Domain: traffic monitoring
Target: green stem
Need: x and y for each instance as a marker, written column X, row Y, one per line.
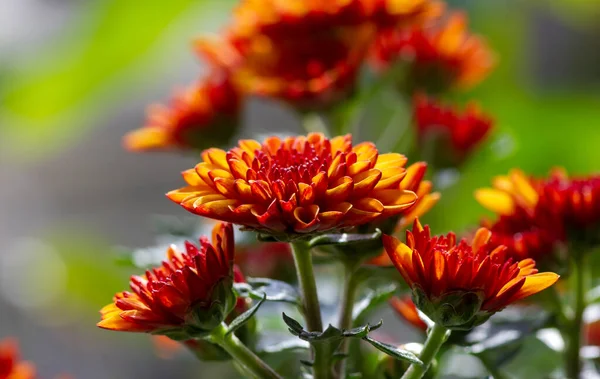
column 436, row 338
column 491, row 368
column 315, row 123
column 579, row 273
column 241, row 354
column 351, row 282
column 310, row 302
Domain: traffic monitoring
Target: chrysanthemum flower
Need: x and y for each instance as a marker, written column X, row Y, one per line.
column 460, row 285
column 203, row 115
column 297, row 186
column 528, row 231
column 186, row 297
column 450, row 134
column 537, row 214
column 440, row 57
column 407, row 310
column 308, row 71
column 11, row 367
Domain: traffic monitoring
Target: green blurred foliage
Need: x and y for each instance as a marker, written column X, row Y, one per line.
column 111, row 50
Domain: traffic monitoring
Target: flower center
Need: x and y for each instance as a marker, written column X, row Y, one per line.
column 293, row 164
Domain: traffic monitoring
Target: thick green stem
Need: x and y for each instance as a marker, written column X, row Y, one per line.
column 241, row 354
column 310, row 303
column 436, row 338
column 491, row 368
column 579, row 273
column 308, row 286
column 351, row 282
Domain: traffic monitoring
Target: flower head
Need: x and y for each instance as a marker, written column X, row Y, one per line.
column 297, row 186
column 440, row 57
column 309, row 68
column 407, row 310
column 187, row 296
column 11, row 367
column 203, row 115
column 452, row 135
column 535, row 215
column 460, row 285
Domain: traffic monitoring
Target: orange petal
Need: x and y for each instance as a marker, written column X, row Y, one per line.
column 496, row 201
column 534, row 284
column 482, row 237
column 147, row 138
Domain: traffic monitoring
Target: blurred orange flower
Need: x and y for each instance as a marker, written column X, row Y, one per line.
column 187, row 296
column 441, row 56
column 460, row 285
column 407, row 310
column 203, row 115
column 296, row 186
column 11, row 367
column 537, row 214
column 450, row 134
column 307, row 53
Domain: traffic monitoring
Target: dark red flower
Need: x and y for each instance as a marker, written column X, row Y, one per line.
column 451, row 134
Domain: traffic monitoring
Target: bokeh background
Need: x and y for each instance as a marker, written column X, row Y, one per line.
column 76, row 75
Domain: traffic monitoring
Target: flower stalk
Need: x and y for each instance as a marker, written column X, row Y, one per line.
column 579, row 276
column 435, row 339
column 310, row 303
column 351, row 282
column 254, row 366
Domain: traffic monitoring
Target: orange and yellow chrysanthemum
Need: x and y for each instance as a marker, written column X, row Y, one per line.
column 537, row 214
column 297, row 186
column 306, row 53
column 460, row 285
column 11, row 367
column 203, row 115
column 441, row 56
column 188, row 295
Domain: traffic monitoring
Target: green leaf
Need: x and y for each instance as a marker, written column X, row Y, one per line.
column 362, row 331
column 276, row 290
column 284, row 346
column 244, row 317
column 294, row 326
column 372, row 300
column 345, row 239
column 394, row 352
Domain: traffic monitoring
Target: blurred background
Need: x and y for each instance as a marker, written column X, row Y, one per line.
column 76, row 75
